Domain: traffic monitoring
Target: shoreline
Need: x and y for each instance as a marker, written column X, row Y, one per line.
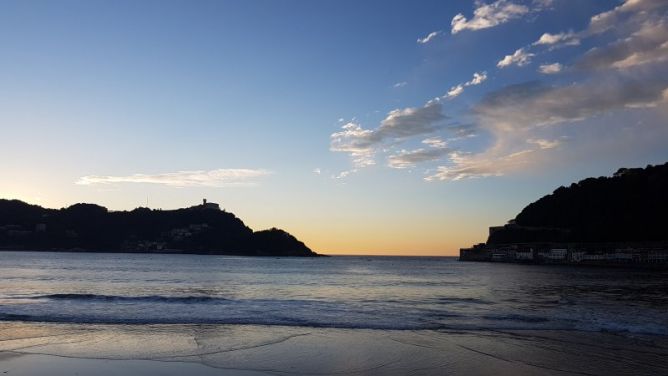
column 251, row 350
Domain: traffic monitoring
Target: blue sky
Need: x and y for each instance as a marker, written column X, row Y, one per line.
column 341, row 121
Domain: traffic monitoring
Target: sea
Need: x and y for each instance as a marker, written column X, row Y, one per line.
column 341, row 302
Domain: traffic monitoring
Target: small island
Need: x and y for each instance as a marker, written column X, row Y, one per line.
column 199, row 229
column 607, row 221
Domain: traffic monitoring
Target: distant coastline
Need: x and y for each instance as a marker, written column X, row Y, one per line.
column 202, row 229
column 607, row 221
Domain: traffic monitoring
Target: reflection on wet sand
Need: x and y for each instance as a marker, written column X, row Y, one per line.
column 238, row 350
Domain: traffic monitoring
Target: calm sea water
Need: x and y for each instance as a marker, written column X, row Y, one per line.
column 334, row 292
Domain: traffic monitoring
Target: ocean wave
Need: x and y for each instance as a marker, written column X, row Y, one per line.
column 453, row 300
column 516, row 317
column 118, row 298
column 529, row 324
column 267, row 321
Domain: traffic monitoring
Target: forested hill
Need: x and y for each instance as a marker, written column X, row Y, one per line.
column 632, row 205
column 89, row 227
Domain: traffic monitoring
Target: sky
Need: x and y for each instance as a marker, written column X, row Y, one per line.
column 375, row 127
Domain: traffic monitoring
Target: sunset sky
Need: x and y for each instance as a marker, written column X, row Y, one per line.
column 364, row 127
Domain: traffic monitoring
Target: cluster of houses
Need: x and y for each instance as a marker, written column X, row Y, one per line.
column 17, row 231
column 649, row 254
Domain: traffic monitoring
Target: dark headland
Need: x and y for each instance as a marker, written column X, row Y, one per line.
column 200, row 229
column 620, row 220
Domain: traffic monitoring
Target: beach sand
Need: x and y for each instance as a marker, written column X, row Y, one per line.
column 65, row 349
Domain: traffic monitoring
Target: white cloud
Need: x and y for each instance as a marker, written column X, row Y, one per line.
column 429, row 37
column 199, row 178
column 455, row 91
column 521, row 57
column 317, row 171
column 568, row 38
column 478, row 78
column 357, row 142
column 550, row 68
column 488, row 15
column 435, row 142
column 466, row 166
column 400, row 84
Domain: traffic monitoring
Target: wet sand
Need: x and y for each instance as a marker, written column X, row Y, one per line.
column 64, row 349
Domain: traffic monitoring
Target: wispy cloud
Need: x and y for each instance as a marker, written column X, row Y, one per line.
column 488, row 15
column 400, row 84
column 460, row 131
column 457, row 90
column 435, row 142
column 564, row 38
column 465, row 166
column 359, row 143
column 515, row 117
column 429, row 37
column 399, row 124
column 437, row 148
column 647, row 44
column 550, row 68
column 612, row 18
column 198, row 178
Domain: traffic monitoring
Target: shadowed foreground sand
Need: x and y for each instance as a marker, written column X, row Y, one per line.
column 64, row 349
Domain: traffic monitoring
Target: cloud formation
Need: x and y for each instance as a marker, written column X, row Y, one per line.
column 437, row 148
column 535, row 104
column 520, row 57
column 647, row 44
column 628, row 73
column 488, row 15
column 612, row 18
column 478, row 78
column 455, row 91
column 528, row 124
column 565, row 38
column 357, row 142
column 198, row 178
column 515, row 116
column 465, row 167
column 434, row 142
column 550, row 68
column 429, row 37
column 399, row 124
